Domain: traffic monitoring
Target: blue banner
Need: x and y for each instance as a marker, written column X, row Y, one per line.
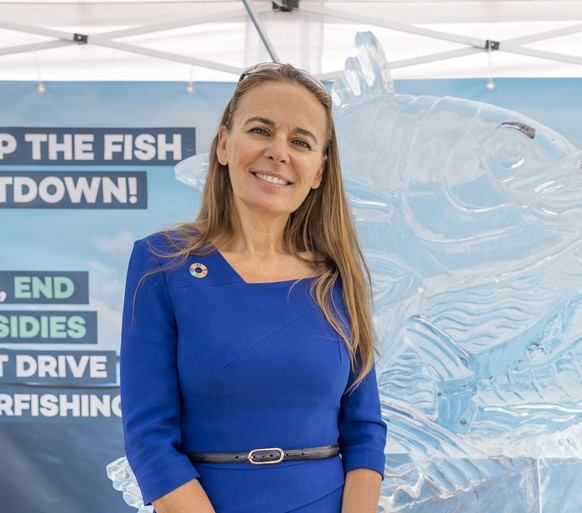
column 52, row 327
column 58, row 367
column 72, row 201
column 77, row 189
column 96, row 146
column 39, row 287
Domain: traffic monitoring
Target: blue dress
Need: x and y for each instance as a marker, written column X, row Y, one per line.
column 210, row 363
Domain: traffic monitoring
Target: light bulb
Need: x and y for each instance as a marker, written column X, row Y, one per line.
column 41, row 87
column 490, row 85
column 191, row 87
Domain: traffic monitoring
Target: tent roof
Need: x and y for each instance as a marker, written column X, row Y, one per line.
column 213, row 40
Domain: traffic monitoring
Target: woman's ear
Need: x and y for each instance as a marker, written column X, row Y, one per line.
column 319, row 175
column 221, row 153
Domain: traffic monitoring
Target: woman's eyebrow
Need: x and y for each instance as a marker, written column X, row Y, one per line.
column 264, row 121
column 306, row 133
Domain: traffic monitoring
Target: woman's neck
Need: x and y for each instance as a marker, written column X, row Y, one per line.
column 258, row 235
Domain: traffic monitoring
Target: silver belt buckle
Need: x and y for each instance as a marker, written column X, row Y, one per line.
column 279, row 460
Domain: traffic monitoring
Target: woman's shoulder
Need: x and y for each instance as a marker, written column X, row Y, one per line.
column 158, row 243
column 173, row 241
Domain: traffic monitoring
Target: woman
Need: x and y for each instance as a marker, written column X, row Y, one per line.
column 247, row 351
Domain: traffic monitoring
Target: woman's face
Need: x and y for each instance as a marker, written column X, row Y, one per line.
column 274, row 149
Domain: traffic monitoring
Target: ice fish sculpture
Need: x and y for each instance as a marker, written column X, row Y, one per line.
column 123, row 480
column 471, row 219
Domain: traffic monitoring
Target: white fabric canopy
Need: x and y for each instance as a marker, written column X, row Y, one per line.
column 199, row 40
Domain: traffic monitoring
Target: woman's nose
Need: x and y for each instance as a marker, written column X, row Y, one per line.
column 277, row 150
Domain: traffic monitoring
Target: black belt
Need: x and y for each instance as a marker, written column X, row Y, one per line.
column 265, row 456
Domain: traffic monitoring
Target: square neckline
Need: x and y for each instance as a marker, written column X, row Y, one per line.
column 246, row 282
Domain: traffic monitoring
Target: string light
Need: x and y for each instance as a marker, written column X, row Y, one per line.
column 191, row 87
column 41, row 86
column 490, row 83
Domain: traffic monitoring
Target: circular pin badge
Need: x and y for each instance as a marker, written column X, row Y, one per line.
column 198, row 270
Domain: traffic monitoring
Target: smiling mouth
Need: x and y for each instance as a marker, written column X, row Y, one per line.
column 271, row 179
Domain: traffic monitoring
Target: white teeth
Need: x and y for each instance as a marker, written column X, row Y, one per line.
column 271, row 179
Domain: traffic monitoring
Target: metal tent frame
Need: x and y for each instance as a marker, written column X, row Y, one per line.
column 255, row 16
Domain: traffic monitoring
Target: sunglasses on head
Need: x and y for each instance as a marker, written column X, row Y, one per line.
column 275, row 65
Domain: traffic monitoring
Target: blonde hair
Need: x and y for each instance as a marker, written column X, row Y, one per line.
column 321, row 226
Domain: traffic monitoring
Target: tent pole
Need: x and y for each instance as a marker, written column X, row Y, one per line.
column 158, row 27
column 392, row 25
column 261, row 32
column 40, row 31
column 172, row 57
column 541, row 36
column 541, row 54
column 11, row 50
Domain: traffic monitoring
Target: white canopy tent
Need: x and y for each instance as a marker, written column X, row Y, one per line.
column 201, row 40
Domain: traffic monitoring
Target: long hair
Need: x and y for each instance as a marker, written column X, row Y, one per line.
column 322, row 226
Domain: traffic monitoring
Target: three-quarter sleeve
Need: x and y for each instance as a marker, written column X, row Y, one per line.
column 150, row 396
column 362, row 430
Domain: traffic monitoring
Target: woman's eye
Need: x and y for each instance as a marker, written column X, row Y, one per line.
column 259, row 131
column 302, row 143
